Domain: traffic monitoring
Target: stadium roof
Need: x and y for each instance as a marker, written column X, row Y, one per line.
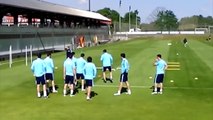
column 54, row 8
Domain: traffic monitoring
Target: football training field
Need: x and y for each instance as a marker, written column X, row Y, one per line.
column 188, row 85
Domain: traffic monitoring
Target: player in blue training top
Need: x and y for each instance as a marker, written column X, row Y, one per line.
column 38, row 69
column 50, row 72
column 69, row 72
column 107, row 61
column 124, row 75
column 89, row 75
column 161, row 66
column 80, row 63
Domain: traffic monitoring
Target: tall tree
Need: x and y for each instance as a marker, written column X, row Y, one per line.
column 166, row 20
column 112, row 14
column 133, row 17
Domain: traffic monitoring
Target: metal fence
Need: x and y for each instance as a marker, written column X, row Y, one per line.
column 46, row 38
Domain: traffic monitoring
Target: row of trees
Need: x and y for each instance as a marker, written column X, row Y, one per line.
column 165, row 20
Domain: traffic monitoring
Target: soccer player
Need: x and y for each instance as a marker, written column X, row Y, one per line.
column 124, row 75
column 69, row 72
column 68, row 51
column 49, row 72
column 107, row 61
column 185, row 42
column 89, row 73
column 80, row 63
column 38, row 69
column 161, row 66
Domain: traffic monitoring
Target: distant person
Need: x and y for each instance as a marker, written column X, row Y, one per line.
column 68, row 51
column 80, row 63
column 161, row 66
column 209, row 38
column 38, row 69
column 185, row 42
column 124, row 75
column 107, row 62
column 69, row 72
column 50, row 72
column 89, row 73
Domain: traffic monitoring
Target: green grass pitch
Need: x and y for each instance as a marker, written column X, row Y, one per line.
column 185, row 98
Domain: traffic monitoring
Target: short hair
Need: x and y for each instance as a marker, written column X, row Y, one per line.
column 123, row 55
column 159, row 55
column 89, row 59
column 48, row 53
column 82, row 55
column 70, row 55
column 39, row 55
column 104, row 50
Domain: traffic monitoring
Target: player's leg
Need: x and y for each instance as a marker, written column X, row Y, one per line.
column 82, row 85
column 38, row 90
column 53, row 87
column 88, row 92
column 89, row 84
column 53, row 83
column 120, row 85
column 104, row 74
column 66, row 82
column 43, row 82
column 128, row 88
column 65, row 90
column 72, row 85
column 110, row 74
column 155, row 85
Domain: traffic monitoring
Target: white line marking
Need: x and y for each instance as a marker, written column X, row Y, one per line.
column 187, row 88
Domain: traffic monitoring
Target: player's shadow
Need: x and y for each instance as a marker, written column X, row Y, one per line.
column 108, row 79
column 123, row 90
column 92, row 94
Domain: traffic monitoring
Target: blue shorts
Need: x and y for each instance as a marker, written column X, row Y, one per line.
column 89, row 82
column 107, row 68
column 49, row 76
column 40, row 80
column 124, row 77
column 69, row 79
column 159, row 78
column 79, row 76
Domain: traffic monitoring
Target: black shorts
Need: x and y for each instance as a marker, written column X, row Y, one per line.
column 124, row 77
column 79, row 76
column 159, row 78
column 40, row 80
column 89, row 83
column 107, row 68
column 49, row 76
column 69, row 79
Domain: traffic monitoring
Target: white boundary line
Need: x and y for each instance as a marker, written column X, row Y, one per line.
column 3, row 63
column 186, row 88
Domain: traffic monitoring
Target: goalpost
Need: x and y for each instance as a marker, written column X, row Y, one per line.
column 210, row 29
column 202, row 29
column 10, row 56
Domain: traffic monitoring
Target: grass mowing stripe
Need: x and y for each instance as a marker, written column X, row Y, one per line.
column 204, row 51
column 191, row 67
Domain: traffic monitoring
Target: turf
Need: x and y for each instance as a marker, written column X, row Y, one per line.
column 184, row 99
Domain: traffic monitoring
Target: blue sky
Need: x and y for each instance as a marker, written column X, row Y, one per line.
column 181, row 8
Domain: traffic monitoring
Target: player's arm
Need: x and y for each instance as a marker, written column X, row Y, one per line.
column 165, row 66
column 155, row 62
column 64, row 73
column 94, row 71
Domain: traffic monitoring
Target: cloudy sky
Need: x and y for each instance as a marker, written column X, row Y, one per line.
column 146, row 8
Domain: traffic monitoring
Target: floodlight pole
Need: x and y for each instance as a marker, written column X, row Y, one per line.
column 89, row 6
column 129, row 18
